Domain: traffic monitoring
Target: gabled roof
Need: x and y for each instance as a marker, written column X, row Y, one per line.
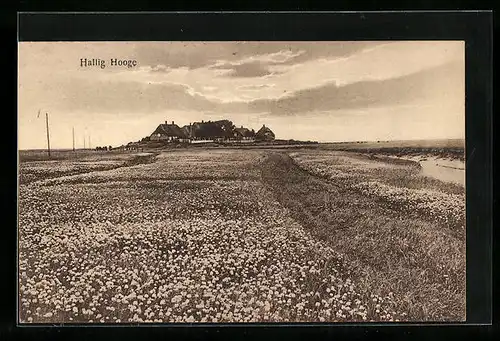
column 241, row 131
column 170, row 130
column 264, row 131
column 245, row 132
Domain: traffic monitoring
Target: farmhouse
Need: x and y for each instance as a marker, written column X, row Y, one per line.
column 244, row 134
column 169, row 132
column 209, row 131
column 264, row 134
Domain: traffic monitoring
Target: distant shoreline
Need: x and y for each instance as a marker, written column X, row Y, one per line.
column 436, row 143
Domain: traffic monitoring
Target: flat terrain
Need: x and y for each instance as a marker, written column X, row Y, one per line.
column 232, row 235
column 36, row 166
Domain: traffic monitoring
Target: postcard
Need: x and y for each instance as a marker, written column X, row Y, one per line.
column 241, row 181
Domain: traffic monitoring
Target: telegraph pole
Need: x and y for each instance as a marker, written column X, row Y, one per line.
column 48, row 135
column 73, row 138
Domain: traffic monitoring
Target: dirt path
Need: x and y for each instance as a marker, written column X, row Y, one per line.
column 311, row 198
column 419, row 261
column 227, row 236
column 202, row 240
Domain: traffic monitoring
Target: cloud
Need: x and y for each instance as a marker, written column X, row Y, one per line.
column 125, row 97
column 159, row 68
column 251, row 66
column 378, row 62
column 374, row 76
column 279, row 57
column 441, row 83
column 255, row 87
column 255, row 66
column 243, row 79
column 195, row 55
column 261, row 81
column 251, row 69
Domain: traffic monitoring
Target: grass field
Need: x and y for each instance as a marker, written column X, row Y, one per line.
column 232, row 235
column 36, row 165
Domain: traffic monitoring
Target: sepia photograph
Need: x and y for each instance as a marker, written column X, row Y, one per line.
column 241, row 182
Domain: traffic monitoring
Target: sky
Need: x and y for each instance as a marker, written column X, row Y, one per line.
column 319, row 91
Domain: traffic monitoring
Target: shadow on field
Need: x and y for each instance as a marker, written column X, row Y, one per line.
column 420, row 261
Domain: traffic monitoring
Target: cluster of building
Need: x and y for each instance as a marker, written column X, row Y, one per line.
column 209, row 131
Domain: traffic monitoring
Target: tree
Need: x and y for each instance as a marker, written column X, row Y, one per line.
column 227, row 127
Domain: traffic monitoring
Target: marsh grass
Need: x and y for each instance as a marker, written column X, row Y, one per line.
column 213, row 247
column 37, row 167
column 230, row 236
column 420, row 261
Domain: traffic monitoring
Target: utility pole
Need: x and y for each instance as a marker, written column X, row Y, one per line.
column 84, row 142
column 90, row 147
column 48, row 135
column 73, row 138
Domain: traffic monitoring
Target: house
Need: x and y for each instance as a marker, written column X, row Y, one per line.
column 168, row 132
column 244, row 134
column 208, row 131
column 132, row 146
column 265, row 134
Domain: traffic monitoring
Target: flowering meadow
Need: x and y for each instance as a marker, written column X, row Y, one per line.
column 399, row 185
column 399, row 231
column 71, row 164
column 196, row 236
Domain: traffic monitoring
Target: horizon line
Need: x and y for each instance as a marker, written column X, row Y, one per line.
column 318, row 142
